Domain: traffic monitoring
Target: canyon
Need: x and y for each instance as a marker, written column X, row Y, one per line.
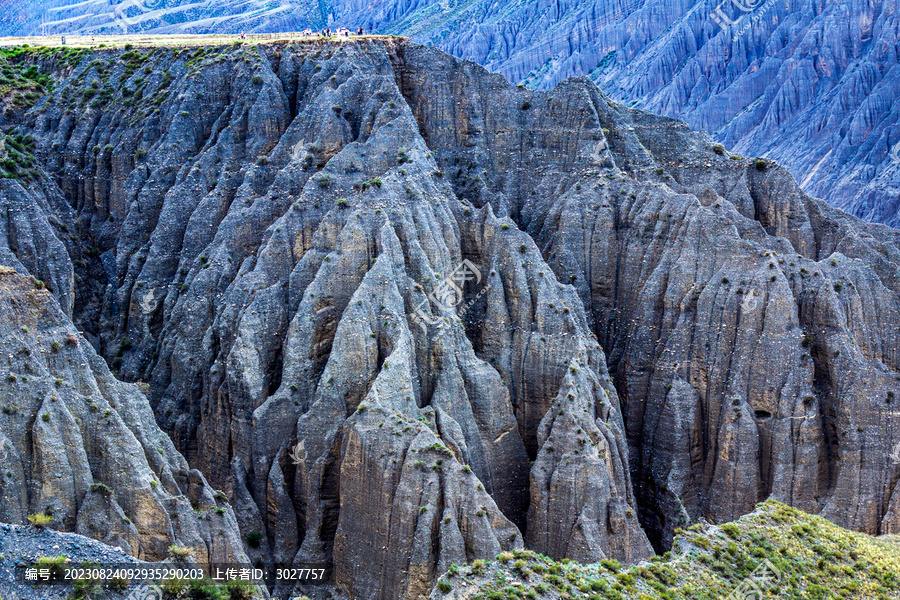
column 395, row 313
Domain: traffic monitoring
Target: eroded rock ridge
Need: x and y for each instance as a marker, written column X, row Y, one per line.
column 639, row 330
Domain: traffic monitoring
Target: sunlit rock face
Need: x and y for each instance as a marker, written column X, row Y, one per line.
column 406, row 314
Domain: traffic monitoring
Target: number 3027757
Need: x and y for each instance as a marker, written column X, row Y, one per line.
column 300, row 574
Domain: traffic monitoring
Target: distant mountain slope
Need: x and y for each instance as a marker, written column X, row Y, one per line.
column 812, row 85
column 815, row 86
column 52, row 17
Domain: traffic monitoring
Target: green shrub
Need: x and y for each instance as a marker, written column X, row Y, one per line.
column 324, row 180
column 206, row 589
column 179, row 552
column 174, row 588
column 101, row 488
column 731, row 530
column 55, row 564
column 40, row 519
column 611, row 564
column 119, row 584
column 240, row 590
column 85, row 589
column 254, row 539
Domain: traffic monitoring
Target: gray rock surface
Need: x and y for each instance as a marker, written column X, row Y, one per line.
column 813, row 87
column 710, row 269
column 83, row 447
column 667, row 332
column 265, row 268
column 23, row 545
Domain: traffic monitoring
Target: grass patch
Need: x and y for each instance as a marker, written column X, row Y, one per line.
column 816, row 559
column 16, row 157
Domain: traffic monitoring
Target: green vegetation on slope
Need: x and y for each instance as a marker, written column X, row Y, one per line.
column 817, row 560
column 16, row 158
column 126, row 82
column 22, row 83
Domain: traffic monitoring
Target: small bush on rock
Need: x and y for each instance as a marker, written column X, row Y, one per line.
column 40, row 519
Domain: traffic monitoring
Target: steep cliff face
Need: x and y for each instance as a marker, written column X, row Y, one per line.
column 375, row 289
column 76, row 443
column 729, row 303
column 814, row 87
column 277, row 251
column 83, row 447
